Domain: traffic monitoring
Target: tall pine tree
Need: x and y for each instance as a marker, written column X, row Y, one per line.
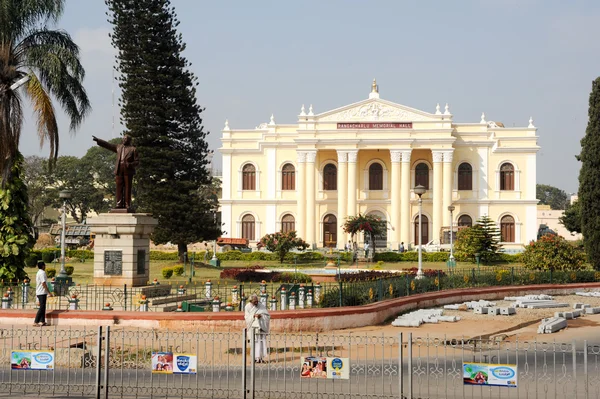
column 589, row 179
column 159, row 111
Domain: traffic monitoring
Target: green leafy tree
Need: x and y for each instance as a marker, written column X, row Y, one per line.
column 38, row 63
column 370, row 224
column 483, row 238
column 15, row 225
column 75, row 175
column 555, row 197
column 160, row 112
column 589, row 179
column 552, row 252
column 38, row 182
column 282, row 243
column 571, row 219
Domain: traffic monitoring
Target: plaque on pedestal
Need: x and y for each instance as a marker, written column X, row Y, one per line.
column 122, row 248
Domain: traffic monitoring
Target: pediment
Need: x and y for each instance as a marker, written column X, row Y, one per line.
column 376, row 110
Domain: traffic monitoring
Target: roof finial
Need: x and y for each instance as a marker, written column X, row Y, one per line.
column 482, row 118
column 226, row 125
column 310, row 110
column 531, row 123
column 272, row 121
column 374, row 87
column 302, row 112
column 437, row 109
column 447, row 110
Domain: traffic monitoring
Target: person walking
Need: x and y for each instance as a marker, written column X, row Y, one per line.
column 257, row 317
column 42, row 292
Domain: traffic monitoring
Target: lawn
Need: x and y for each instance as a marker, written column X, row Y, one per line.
column 84, row 273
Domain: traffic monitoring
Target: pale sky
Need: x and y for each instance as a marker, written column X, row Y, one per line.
column 511, row 59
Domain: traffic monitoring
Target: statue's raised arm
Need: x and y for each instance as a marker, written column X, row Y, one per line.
column 127, row 162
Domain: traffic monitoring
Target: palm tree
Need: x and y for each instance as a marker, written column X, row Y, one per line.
column 36, row 62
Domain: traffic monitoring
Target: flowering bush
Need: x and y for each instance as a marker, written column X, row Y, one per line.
column 232, row 273
column 426, row 272
column 554, row 253
column 282, row 243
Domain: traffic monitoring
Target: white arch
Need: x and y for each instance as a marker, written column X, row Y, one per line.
column 412, row 226
column 379, row 209
column 241, row 176
column 257, row 225
column 517, row 175
column 518, row 224
column 385, row 176
column 413, row 170
column 473, row 173
column 461, row 214
column 322, row 166
column 282, row 164
column 321, row 238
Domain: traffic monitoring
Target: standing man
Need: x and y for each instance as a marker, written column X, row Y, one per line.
column 127, row 161
column 42, row 292
column 257, row 317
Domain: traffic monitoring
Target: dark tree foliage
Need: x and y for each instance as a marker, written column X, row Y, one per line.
column 159, row 110
column 549, row 195
column 15, row 225
column 589, row 179
column 571, row 219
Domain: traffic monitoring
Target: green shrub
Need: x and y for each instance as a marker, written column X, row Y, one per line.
column 48, row 256
column 167, row 272
column 388, row 257
column 161, row 255
column 32, row 259
column 80, row 254
column 552, row 252
column 511, row 258
column 178, row 270
column 287, row 277
column 69, row 269
column 50, row 272
column 230, row 255
column 435, row 256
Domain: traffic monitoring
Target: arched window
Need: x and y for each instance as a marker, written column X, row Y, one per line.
column 422, row 175
column 288, row 223
column 330, row 231
column 507, row 229
column 248, row 227
column 465, row 177
column 330, row 177
column 465, row 221
column 376, row 177
column 288, row 177
column 249, row 177
column 507, row 177
column 425, row 231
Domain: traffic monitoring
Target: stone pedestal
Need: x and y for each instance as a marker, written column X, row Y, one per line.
column 122, row 248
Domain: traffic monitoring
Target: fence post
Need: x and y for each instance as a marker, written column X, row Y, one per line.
column 106, row 361
column 340, row 292
column 252, row 362
column 439, row 279
column 400, row 369
column 550, row 276
column 98, row 362
column 473, row 274
column 125, row 297
column 244, row 361
column 512, row 276
column 409, row 345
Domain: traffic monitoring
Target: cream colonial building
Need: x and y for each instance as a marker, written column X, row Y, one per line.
column 366, row 158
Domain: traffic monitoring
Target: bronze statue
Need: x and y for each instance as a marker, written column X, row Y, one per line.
column 127, row 161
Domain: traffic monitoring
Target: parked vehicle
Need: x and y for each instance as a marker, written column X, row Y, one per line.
column 434, row 246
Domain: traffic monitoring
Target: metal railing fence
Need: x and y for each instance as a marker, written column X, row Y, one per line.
column 118, row 363
column 326, row 294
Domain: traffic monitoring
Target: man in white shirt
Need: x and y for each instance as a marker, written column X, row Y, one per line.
column 42, row 292
column 257, row 316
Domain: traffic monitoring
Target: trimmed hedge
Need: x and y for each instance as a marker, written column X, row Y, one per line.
column 69, row 269
column 178, row 270
column 167, row 272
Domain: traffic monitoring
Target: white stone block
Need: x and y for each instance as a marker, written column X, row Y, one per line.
column 507, row 311
column 481, row 310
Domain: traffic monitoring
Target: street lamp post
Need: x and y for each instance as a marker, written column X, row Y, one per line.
column 451, row 208
column 420, row 190
column 63, row 280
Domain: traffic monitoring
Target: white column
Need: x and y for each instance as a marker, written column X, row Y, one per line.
column 301, row 189
column 396, row 157
column 437, row 196
column 405, row 216
column 310, row 197
column 271, row 173
column 352, row 157
column 342, row 196
column 447, row 186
